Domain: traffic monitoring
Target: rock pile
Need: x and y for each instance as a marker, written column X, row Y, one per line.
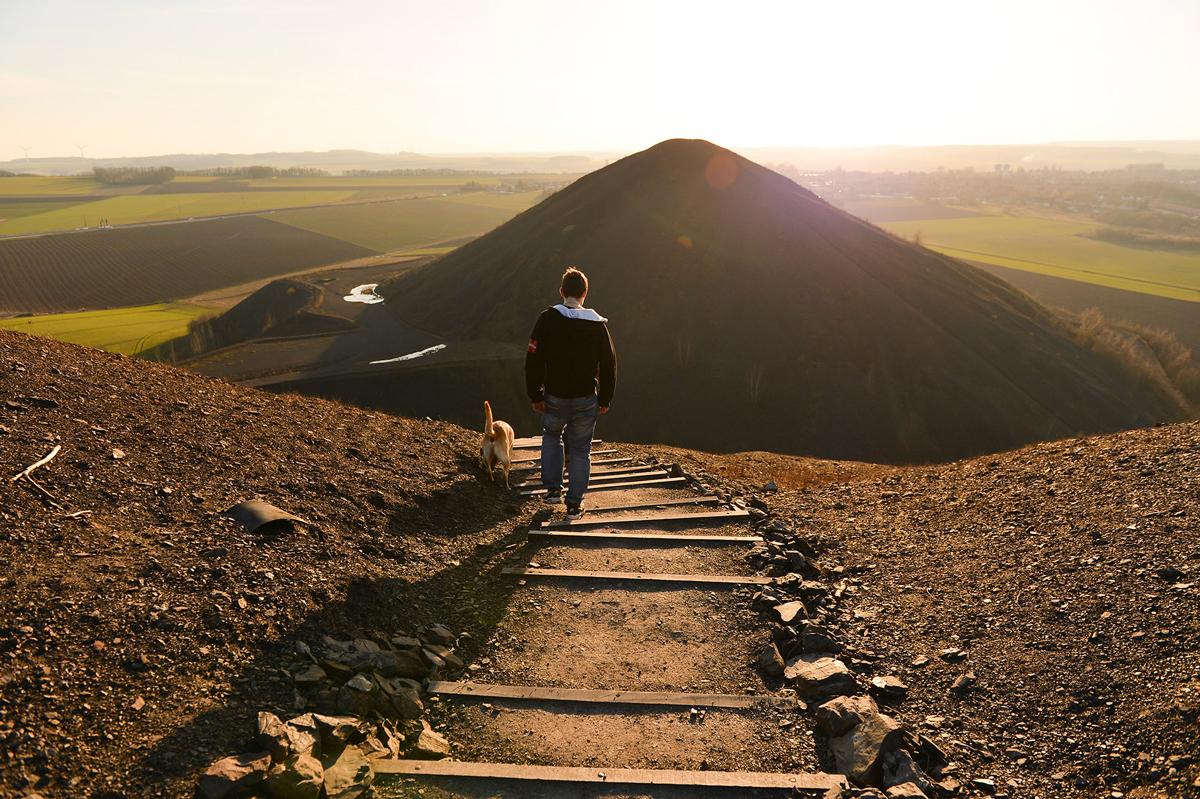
column 367, row 701
column 806, row 653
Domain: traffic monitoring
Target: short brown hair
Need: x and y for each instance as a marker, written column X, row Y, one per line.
column 574, row 283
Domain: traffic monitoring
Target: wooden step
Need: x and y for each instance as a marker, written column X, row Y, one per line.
column 646, row 518
column 654, row 698
column 605, row 477
column 537, row 464
column 666, row 481
column 598, row 471
column 661, row 503
column 641, row 577
column 813, row 784
column 538, row 458
column 536, row 441
column 649, row 538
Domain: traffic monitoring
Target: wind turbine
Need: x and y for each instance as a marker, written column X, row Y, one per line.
column 81, row 147
column 24, row 150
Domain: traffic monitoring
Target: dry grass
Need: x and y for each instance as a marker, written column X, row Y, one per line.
column 1151, row 356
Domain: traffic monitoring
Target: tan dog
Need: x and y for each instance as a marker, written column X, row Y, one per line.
column 497, row 447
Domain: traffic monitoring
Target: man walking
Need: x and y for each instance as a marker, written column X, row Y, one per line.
column 570, row 375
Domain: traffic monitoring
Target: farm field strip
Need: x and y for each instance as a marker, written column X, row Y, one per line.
column 157, row 263
column 136, row 208
column 403, row 225
column 124, row 330
column 1059, row 248
column 23, row 185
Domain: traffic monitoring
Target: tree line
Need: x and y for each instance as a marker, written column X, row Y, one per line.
column 259, row 172
column 132, row 175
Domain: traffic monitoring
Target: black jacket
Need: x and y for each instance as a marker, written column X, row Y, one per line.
column 570, row 358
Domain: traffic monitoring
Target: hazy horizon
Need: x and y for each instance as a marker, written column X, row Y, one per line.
column 138, row 78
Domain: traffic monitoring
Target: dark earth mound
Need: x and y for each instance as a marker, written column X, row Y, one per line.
column 748, row 313
column 283, row 308
column 155, row 263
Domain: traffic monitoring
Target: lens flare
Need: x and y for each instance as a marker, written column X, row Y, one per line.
column 721, row 171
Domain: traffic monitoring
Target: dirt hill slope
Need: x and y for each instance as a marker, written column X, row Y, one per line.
column 138, row 642
column 1068, row 573
column 750, row 314
column 153, row 597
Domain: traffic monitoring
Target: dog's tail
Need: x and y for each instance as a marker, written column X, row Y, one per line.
column 488, row 421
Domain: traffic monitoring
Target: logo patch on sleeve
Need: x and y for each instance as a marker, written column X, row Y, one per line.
column 532, row 345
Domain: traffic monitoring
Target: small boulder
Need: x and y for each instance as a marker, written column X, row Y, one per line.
column 297, row 777
column 789, row 611
column 888, row 689
column 337, row 731
column 906, row 790
column 430, row 745
column 348, row 775
column 816, row 676
column 838, row 716
column 438, row 634
column 234, row 776
column 770, row 662
column 859, row 753
column 963, row 683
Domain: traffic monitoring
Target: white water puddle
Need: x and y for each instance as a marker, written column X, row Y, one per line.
column 364, row 294
column 412, row 356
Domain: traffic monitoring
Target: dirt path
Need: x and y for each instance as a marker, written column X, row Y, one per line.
column 595, row 634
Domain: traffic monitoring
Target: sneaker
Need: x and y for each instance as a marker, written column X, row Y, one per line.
column 574, row 512
column 553, row 498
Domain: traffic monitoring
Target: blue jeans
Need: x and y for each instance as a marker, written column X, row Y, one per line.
column 575, row 421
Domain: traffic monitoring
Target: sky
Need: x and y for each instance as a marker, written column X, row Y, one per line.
column 454, row 76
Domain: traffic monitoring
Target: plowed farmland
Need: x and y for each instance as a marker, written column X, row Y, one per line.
column 138, row 266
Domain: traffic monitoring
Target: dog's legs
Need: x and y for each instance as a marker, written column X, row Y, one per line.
column 506, row 485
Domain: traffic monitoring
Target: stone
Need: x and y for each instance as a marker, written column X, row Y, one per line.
column 985, row 785
column 817, row 638
column 337, row 731
column 920, row 662
column 859, row 754
column 963, row 683
column 234, row 776
column 304, row 737
column 439, row 634
column 770, row 662
column 273, row 737
column 899, row 768
column 906, row 790
column 838, row 716
column 407, row 702
column 889, row 688
column 405, row 642
column 815, row 676
column 430, row 745
column 402, row 663
column 348, row 775
column 312, row 674
column 952, row 655
column 789, row 611
column 297, row 777
column 361, row 682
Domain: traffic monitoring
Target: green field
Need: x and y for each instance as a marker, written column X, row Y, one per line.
column 133, row 208
column 1060, row 248
column 124, row 330
column 118, row 330
column 411, row 224
column 14, row 210
column 34, row 185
